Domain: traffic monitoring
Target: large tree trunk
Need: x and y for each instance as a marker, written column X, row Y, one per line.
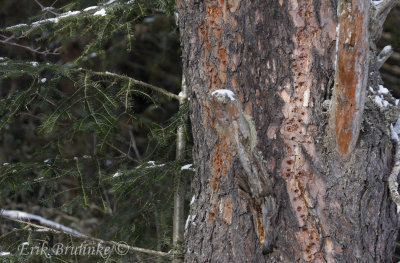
column 280, row 176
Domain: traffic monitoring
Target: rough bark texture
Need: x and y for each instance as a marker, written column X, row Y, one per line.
column 277, row 57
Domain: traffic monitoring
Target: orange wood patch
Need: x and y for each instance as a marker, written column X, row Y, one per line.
column 351, row 71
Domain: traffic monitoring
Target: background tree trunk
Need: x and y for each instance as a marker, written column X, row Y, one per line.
column 278, row 58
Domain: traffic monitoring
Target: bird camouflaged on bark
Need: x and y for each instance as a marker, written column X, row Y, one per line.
column 256, row 185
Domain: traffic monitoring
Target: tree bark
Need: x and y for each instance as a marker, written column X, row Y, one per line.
column 273, row 182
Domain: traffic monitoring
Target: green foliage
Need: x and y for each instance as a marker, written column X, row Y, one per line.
column 79, row 131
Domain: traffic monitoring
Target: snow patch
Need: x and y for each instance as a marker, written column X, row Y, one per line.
column 109, row 2
column 43, row 80
column 380, row 102
column 3, row 254
column 101, row 12
column 69, row 13
column 149, row 19
column 15, row 26
column 224, row 92
column 116, row 174
column 387, row 48
column 190, row 218
column 56, row 19
column 192, row 201
column 90, row 8
column 383, row 90
column 34, row 63
column 152, row 164
column 188, row 167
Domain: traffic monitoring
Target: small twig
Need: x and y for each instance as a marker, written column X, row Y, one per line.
column 46, row 52
column 41, row 6
column 120, row 151
column 46, row 9
column 134, row 146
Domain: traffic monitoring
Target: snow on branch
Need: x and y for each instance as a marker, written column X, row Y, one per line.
column 19, row 215
column 188, row 167
column 383, row 56
column 55, row 19
column 393, row 177
column 98, row 10
column 224, row 92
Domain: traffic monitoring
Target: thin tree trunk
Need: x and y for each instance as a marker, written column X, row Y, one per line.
column 275, row 182
column 179, row 197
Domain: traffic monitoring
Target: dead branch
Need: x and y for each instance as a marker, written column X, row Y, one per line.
column 7, row 41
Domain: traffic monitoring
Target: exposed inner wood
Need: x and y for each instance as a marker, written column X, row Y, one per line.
column 351, row 73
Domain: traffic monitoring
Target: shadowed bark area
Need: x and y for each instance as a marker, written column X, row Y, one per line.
column 277, row 57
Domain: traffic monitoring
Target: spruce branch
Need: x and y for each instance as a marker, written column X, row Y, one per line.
column 133, row 81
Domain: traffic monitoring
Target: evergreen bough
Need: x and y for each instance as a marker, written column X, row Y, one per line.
column 70, row 102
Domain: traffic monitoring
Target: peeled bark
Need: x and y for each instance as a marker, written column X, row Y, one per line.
column 272, row 185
